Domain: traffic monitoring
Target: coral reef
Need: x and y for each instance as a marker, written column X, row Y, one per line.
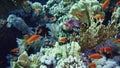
column 100, row 33
column 36, row 5
column 87, row 8
column 76, row 30
column 53, row 57
column 106, row 63
column 19, row 24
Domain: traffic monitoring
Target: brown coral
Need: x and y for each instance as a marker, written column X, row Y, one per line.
column 90, row 40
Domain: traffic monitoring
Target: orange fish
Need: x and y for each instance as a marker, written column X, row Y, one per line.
column 15, row 50
column 95, row 56
column 63, row 39
column 25, row 2
column 32, row 39
column 107, row 49
column 92, row 65
column 118, row 40
column 99, row 16
column 101, row 50
column 80, row 15
column 105, row 4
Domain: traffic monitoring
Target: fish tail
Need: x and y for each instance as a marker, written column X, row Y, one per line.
column 105, row 4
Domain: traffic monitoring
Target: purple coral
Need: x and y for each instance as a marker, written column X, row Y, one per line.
column 73, row 23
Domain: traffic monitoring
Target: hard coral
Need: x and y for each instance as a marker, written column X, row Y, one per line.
column 96, row 35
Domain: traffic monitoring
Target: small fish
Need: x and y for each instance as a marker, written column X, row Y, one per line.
column 92, row 65
column 118, row 3
column 15, row 50
column 62, row 39
column 95, row 56
column 26, row 3
column 101, row 50
column 105, row 5
column 80, row 15
column 99, row 16
column 107, row 49
column 32, row 39
column 118, row 40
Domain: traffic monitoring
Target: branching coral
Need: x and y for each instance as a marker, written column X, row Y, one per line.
column 106, row 63
column 68, row 2
column 24, row 61
column 60, row 8
column 96, row 34
column 116, row 16
column 83, row 27
column 85, row 11
column 92, row 33
column 56, row 56
column 55, row 32
column 35, row 62
column 71, row 62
